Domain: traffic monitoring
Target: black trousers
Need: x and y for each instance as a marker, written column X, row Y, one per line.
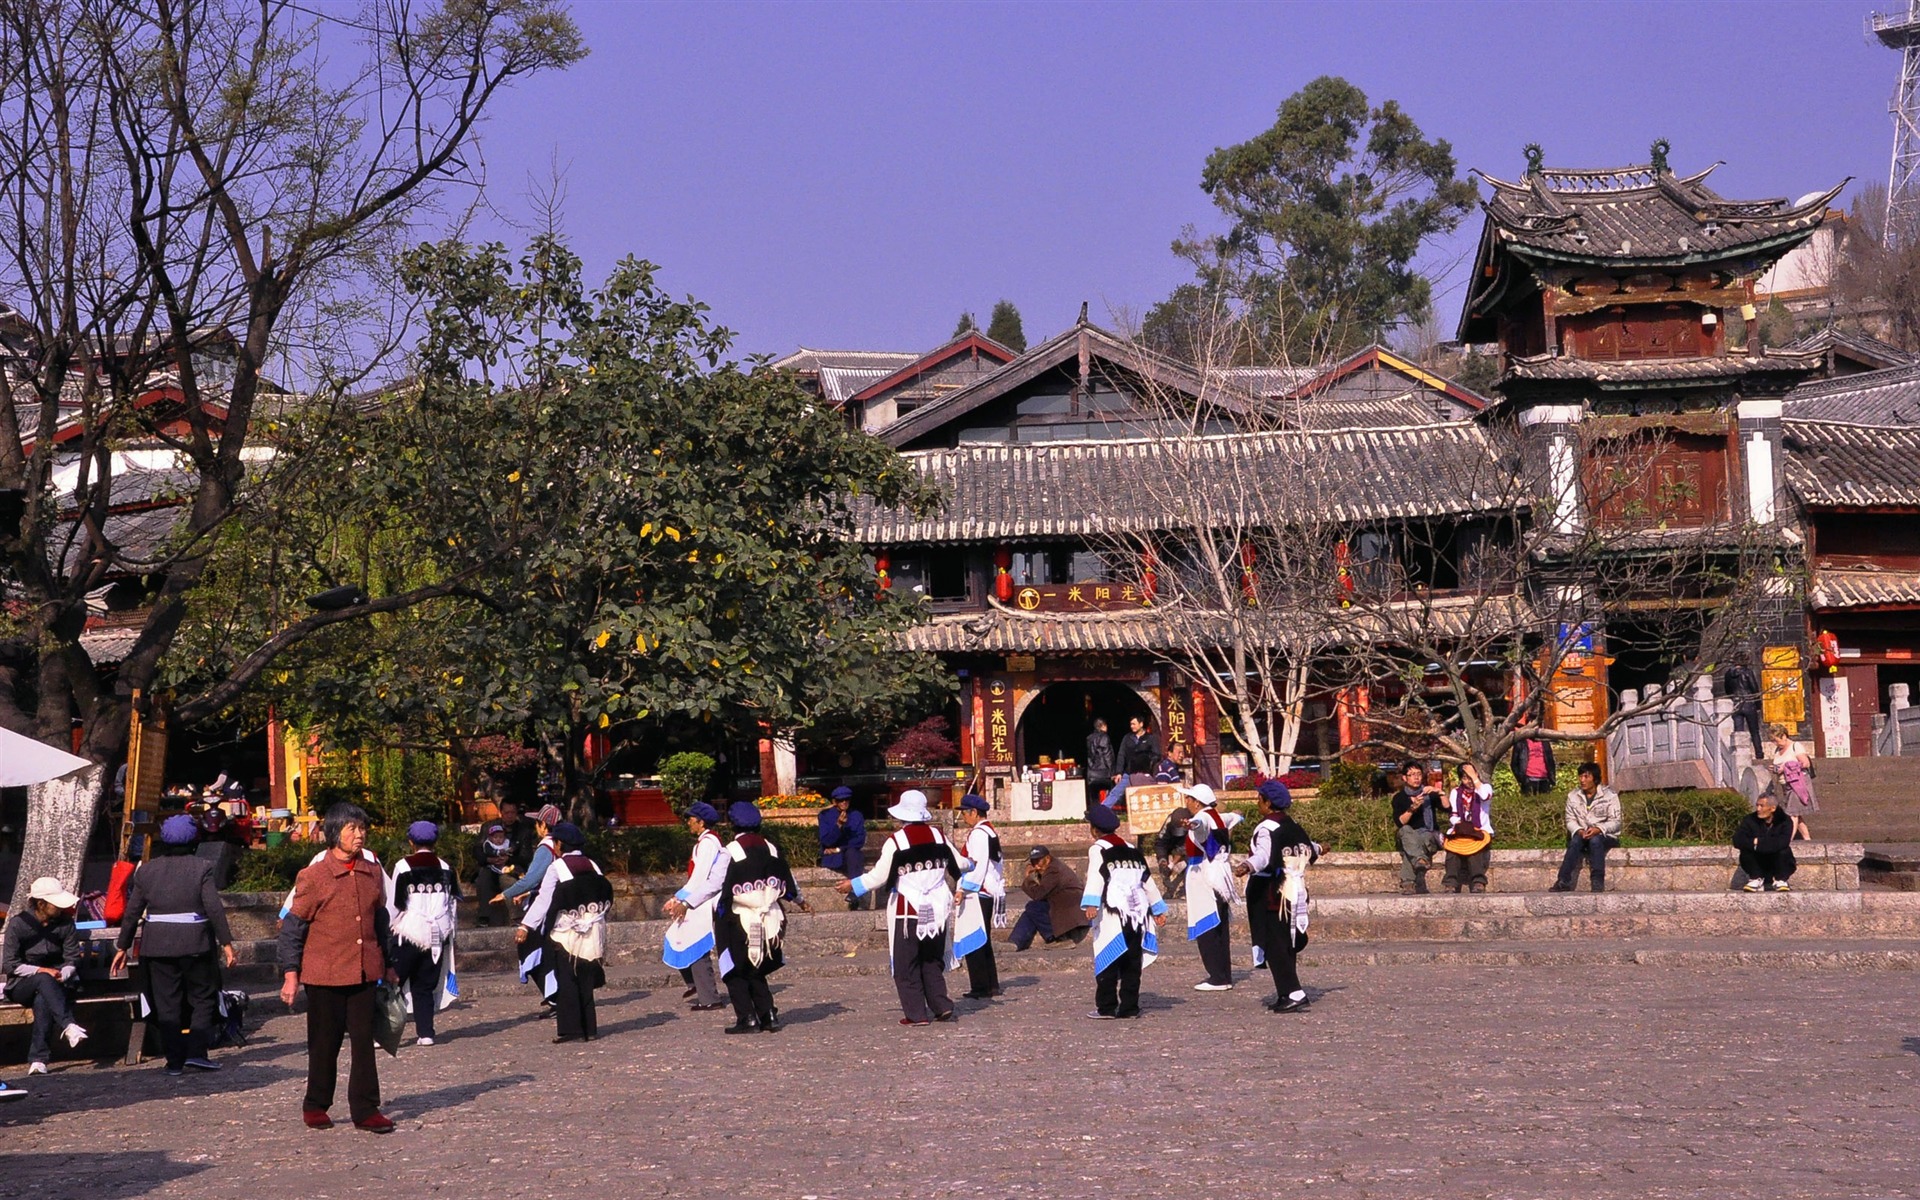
column 919, row 973
column 186, row 1002
column 486, row 885
column 1748, row 716
column 420, row 975
column 1769, row 867
column 1116, row 990
column 334, row 1014
column 1216, row 948
column 52, row 1009
column 983, row 974
column 752, row 998
column 1594, row 851
column 1262, row 921
column 1281, row 961
column 574, row 980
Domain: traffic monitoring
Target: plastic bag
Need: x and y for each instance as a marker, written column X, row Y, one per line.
column 389, row 1018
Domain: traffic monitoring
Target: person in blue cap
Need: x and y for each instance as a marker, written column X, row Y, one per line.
column 173, row 906
column 1275, row 868
column 689, row 942
column 421, row 895
column 750, row 919
column 569, row 917
column 1126, row 909
column 983, row 895
column 843, row 839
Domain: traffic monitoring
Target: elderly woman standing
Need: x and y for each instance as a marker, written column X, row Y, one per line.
column 1793, row 778
column 185, row 922
column 42, row 953
column 333, row 940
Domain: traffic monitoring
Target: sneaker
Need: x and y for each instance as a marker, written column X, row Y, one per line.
column 203, row 1064
column 1781, row 886
column 1476, row 888
column 1097, row 1015
column 1212, row 987
column 425, row 1041
column 38, row 1068
column 175, row 1071
column 316, row 1118
column 74, row 1035
column 9, row 1092
column 377, row 1123
column 1755, row 885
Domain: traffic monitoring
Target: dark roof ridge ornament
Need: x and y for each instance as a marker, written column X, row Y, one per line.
column 1536, row 158
column 1659, row 157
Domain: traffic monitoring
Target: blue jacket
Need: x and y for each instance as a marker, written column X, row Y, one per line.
column 835, row 837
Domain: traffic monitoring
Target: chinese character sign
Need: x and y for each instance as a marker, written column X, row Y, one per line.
column 999, row 731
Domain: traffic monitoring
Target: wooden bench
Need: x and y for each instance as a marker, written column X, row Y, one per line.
column 108, row 1002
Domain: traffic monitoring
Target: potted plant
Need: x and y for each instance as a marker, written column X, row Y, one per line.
column 912, row 757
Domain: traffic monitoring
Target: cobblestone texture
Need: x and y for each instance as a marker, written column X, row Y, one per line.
column 1436, row 1080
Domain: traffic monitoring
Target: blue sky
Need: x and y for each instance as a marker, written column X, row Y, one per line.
column 853, row 175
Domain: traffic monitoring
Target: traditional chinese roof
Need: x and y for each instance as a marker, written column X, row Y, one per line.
column 1851, row 347
column 971, row 342
column 1889, row 397
column 1623, row 217
column 1782, row 365
column 1833, row 589
column 1377, row 370
column 1054, row 489
column 1836, row 465
column 808, row 361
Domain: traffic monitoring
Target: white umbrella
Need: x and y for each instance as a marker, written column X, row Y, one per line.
column 24, row 762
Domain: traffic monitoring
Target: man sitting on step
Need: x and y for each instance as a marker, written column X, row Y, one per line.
column 1764, row 839
column 1593, row 828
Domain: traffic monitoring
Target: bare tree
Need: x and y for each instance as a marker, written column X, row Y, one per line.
column 1467, row 635
column 197, row 196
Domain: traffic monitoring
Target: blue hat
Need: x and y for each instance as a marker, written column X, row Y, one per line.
column 180, row 830
column 1276, row 794
column 423, row 833
column 841, row 793
column 975, row 803
column 706, row 812
column 743, row 815
column 1103, row 818
column 568, row 834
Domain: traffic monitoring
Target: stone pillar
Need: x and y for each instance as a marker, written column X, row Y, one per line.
column 1550, row 446
column 1760, row 450
column 786, row 766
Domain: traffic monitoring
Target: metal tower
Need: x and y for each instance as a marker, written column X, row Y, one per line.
column 1901, row 31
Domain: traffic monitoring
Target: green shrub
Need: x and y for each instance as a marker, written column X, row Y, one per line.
column 1348, row 780
column 684, row 777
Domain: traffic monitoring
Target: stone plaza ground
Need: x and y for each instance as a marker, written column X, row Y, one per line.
column 1438, row 1079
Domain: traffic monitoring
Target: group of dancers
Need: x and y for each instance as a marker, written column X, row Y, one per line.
column 944, row 899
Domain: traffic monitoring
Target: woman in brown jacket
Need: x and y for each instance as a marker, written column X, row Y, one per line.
column 333, row 940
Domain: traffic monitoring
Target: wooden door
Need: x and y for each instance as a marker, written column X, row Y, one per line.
column 1863, row 704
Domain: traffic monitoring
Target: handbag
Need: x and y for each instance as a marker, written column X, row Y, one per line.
column 389, row 1017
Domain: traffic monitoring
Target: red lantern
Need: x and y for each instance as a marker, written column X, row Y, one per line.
column 1149, row 577
column 1247, row 588
column 882, row 564
column 1829, row 646
column 1003, row 574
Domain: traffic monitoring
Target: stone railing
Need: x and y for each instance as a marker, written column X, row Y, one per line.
column 1896, row 732
column 1679, row 742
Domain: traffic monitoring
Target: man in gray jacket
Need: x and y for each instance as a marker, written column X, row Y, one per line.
column 1593, row 828
column 184, row 923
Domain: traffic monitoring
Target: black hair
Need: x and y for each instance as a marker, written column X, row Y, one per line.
column 338, row 818
column 1590, row 768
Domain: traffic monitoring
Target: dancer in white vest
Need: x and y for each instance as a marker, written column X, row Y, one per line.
column 1124, row 904
column 1210, row 893
column 915, row 864
column 689, row 943
column 983, row 891
column 422, row 893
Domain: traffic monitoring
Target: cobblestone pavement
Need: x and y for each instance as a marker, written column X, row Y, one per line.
column 1439, row 1080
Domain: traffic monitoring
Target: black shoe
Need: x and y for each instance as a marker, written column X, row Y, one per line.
column 742, row 1027
column 1290, row 1006
column 708, row 1007
column 945, row 1016
column 690, row 993
column 563, row 1040
column 1561, row 887
column 771, row 1025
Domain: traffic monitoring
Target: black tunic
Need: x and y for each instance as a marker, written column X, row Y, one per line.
column 754, row 867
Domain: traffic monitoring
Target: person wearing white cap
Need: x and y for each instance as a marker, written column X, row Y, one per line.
column 1210, row 893
column 915, row 864
column 41, row 957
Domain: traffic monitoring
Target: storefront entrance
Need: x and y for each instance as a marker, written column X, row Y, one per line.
column 1057, row 722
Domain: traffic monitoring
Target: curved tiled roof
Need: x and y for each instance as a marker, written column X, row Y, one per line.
column 1889, row 397
column 1658, row 371
column 1055, row 489
column 1831, row 464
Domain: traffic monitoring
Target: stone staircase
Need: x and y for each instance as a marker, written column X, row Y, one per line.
column 1870, row 800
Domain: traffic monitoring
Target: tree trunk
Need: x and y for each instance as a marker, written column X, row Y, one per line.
column 60, row 816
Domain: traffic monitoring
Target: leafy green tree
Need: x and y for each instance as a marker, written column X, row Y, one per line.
column 638, row 530
column 1004, row 327
column 1326, row 212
